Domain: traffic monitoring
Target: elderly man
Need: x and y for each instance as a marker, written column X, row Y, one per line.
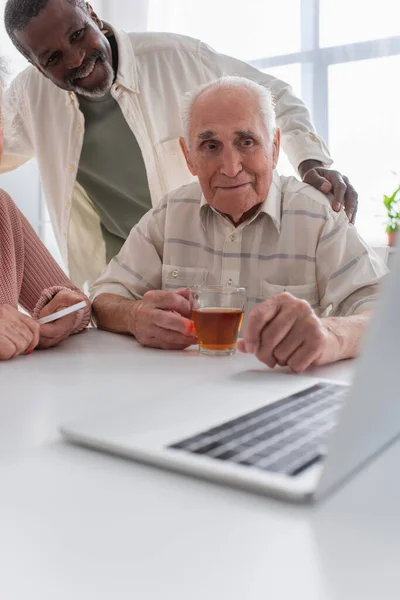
column 242, row 224
column 99, row 109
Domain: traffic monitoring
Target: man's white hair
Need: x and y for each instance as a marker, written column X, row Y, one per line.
column 229, row 82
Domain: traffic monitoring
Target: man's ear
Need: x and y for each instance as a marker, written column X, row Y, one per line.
column 94, row 16
column 276, row 144
column 185, row 151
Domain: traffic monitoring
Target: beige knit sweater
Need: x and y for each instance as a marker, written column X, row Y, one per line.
column 29, row 276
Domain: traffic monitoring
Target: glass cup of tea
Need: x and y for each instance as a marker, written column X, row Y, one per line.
column 217, row 313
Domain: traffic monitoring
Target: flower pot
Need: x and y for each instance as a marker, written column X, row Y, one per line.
column 391, row 236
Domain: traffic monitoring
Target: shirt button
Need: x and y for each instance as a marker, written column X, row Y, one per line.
column 65, row 235
column 174, row 273
column 233, row 237
column 68, row 204
column 229, row 282
column 79, row 129
column 71, row 168
column 133, row 86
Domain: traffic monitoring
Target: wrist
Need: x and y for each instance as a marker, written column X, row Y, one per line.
column 308, row 164
column 133, row 317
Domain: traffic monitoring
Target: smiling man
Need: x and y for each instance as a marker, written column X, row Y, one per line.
column 99, row 109
column 243, row 225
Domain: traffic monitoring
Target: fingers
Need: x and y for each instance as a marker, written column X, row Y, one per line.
column 15, row 341
column 8, row 348
column 172, row 301
column 158, row 337
column 34, row 328
column 338, row 188
column 274, row 336
column 258, row 319
column 62, row 299
column 173, row 322
column 316, row 178
column 344, row 194
column 350, row 201
column 302, row 358
column 52, row 334
column 18, row 332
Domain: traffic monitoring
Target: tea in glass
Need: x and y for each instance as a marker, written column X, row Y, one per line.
column 217, row 313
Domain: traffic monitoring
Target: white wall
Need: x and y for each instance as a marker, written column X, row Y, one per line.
column 130, row 15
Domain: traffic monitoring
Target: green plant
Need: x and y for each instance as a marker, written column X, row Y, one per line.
column 392, row 204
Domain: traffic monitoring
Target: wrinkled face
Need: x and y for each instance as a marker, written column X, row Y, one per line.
column 230, row 150
column 66, row 45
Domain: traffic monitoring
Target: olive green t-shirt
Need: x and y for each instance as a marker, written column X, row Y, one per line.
column 112, row 171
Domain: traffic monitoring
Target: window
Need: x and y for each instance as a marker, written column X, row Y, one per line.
column 342, row 57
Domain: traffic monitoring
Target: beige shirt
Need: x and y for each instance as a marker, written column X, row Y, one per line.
column 154, row 72
column 295, row 243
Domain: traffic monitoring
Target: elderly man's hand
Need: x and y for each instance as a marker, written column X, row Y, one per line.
column 19, row 333
column 330, row 181
column 53, row 333
column 285, row 331
column 163, row 320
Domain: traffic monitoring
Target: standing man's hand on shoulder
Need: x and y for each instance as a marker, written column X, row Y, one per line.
column 331, row 181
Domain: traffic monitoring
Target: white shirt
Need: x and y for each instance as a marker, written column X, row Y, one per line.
column 154, row 72
column 295, row 243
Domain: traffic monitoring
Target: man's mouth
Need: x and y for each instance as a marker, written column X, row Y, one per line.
column 233, row 187
column 87, row 71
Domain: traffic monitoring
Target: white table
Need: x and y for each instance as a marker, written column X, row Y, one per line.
column 80, row 525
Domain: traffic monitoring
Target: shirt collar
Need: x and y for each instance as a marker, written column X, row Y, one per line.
column 271, row 205
column 127, row 74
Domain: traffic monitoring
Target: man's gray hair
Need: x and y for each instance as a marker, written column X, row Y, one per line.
column 18, row 15
column 229, row 82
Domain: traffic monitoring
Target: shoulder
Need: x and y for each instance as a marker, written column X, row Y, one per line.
column 151, row 42
column 32, row 86
column 189, row 194
column 297, row 195
column 6, row 202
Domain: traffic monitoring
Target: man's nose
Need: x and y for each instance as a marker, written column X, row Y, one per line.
column 231, row 163
column 74, row 58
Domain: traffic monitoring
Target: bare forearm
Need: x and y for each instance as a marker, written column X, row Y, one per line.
column 115, row 313
column 347, row 333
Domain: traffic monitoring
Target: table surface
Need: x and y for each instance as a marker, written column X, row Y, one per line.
column 77, row 524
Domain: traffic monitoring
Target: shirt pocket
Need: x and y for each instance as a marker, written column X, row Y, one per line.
column 173, row 164
column 305, row 291
column 178, row 277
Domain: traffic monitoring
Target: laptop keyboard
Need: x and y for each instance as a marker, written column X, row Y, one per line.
column 286, row 436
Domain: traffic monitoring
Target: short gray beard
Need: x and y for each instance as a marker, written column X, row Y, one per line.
column 102, row 89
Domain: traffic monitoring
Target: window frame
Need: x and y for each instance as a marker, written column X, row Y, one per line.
column 315, row 61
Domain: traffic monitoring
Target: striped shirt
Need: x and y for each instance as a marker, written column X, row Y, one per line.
column 295, row 243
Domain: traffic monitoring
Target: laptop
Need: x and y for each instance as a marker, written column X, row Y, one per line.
column 279, row 434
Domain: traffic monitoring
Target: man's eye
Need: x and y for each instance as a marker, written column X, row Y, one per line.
column 210, row 146
column 53, row 58
column 77, row 34
column 247, row 143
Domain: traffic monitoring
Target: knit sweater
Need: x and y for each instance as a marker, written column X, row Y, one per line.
column 29, row 276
